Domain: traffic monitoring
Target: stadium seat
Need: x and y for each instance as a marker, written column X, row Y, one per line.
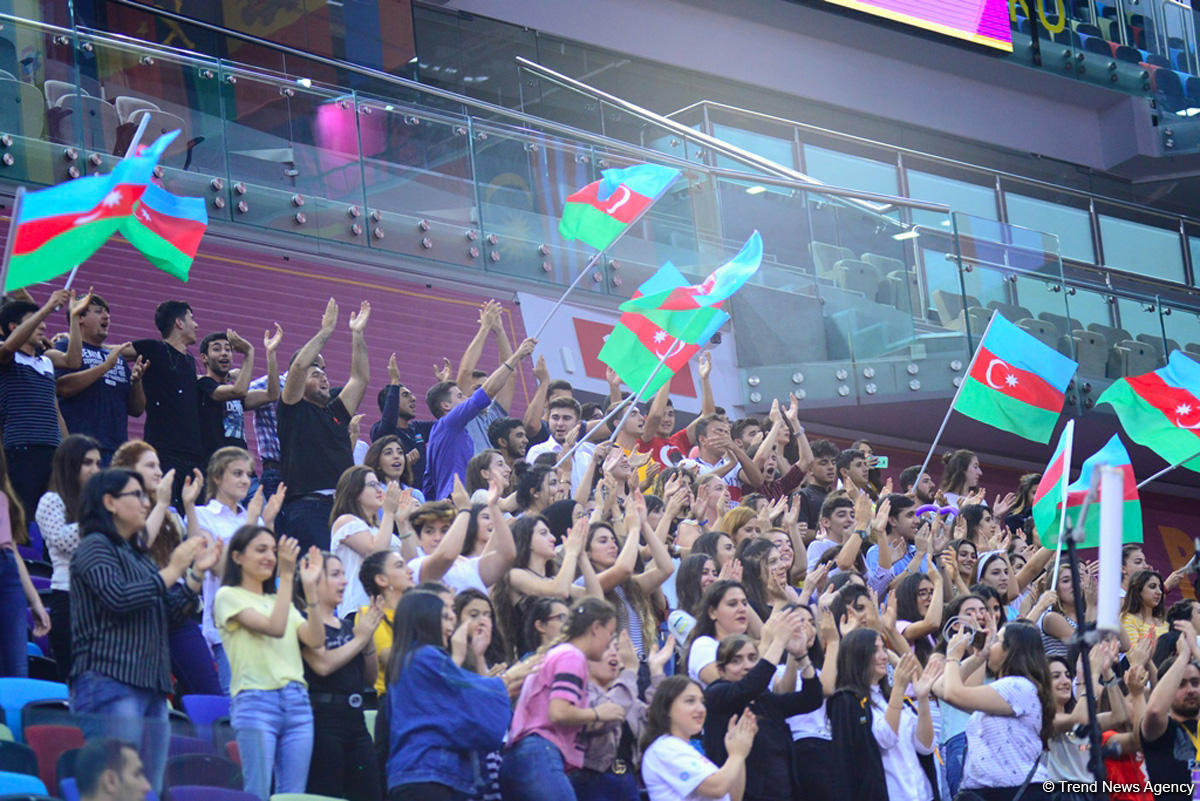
column 16, row 693
column 182, row 744
column 1010, row 311
column 901, row 290
column 1044, row 331
column 22, row 111
column 1064, row 325
column 857, row 276
column 55, row 90
column 13, row 784
column 126, row 105
column 949, row 305
column 1086, row 29
column 204, row 710
column 1091, row 351
column 68, row 790
column 1155, row 60
column 825, row 257
column 64, row 768
column 1168, row 86
column 206, row 770
column 193, row 793
column 6, row 734
column 43, row 668
column 18, row 758
column 1111, row 335
column 98, row 121
column 1191, row 90
column 54, row 711
column 1130, row 55
column 49, row 742
column 1130, row 357
column 180, row 723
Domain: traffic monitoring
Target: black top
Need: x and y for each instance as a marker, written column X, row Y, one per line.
column 120, row 610
column 768, row 768
column 811, row 498
column 414, row 435
column 101, row 410
column 1168, row 758
column 222, row 423
column 350, row 677
column 857, row 768
column 314, row 444
column 172, row 402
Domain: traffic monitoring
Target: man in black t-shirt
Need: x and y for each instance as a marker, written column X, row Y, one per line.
column 172, row 399
column 1170, row 739
column 314, row 440
column 224, row 398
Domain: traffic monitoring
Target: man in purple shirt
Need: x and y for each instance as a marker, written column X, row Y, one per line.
column 450, row 446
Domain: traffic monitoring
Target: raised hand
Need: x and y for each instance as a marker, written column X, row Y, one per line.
column 923, row 684
column 525, row 349
column 704, row 366
column 610, row 375
column 192, row 485
column 660, row 655
column 138, row 369
column 458, row 495
column 114, row 355
column 629, row 657
column 391, row 498
column 80, row 307
column 958, row 645
column 288, row 551
column 255, row 506
column 162, row 495
column 237, row 343
column 393, row 370
column 489, row 315
column 481, row 637
column 540, row 371
column 1001, row 506
column 271, row 341
column 330, row 317
column 442, row 373
column 311, row 566
column 274, row 504
column 358, row 320
column 207, row 555
column 739, row 738
column 366, row 623
column 184, row 553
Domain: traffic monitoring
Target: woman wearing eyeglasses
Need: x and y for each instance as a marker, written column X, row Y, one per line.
column 359, row 530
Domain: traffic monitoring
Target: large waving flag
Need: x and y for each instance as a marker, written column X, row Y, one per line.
column 601, row 211
column 1017, row 383
column 723, row 282
column 1161, row 410
column 1051, row 494
column 167, row 229
column 57, row 228
column 1114, row 455
column 637, row 344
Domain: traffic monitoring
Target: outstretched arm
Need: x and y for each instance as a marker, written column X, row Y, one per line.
column 293, row 388
column 21, row 334
column 360, row 366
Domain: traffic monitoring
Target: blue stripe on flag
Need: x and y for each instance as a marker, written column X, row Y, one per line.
column 1026, row 352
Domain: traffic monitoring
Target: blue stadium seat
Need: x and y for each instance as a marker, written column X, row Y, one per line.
column 15, row 693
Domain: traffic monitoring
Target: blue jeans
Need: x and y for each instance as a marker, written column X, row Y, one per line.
column 14, row 630
column 306, row 519
column 955, row 754
column 224, row 671
column 274, row 731
column 192, row 661
column 533, row 770
column 593, row 786
column 109, row 708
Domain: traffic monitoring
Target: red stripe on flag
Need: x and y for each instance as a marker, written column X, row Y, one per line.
column 33, row 234
column 182, row 232
column 1075, row 497
column 657, row 341
column 623, row 205
column 1050, row 479
column 1179, row 406
column 1014, row 382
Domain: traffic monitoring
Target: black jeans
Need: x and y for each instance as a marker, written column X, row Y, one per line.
column 29, row 468
column 343, row 764
column 60, row 632
column 307, row 519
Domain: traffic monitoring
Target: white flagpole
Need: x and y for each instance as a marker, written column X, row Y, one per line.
column 1166, row 470
column 1069, row 433
column 12, row 234
column 937, row 437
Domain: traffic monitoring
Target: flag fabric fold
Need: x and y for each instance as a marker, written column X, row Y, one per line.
column 1051, row 495
column 723, row 282
column 1161, row 410
column 61, row 226
column 601, row 211
column 167, row 229
column 1113, row 454
column 1017, row 383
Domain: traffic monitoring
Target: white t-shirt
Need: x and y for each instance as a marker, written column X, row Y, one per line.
column 898, row 751
column 355, row 596
column 463, row 574
column 672, row 770
column 221, row 523
column 1002, row 748
column 703, row 654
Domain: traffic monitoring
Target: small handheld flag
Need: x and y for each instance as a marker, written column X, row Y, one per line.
column 167, row 229
column 1112, row 454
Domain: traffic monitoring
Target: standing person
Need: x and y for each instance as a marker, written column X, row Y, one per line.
column 337, row 674
column 100, row 397
column 386, row 578
column 315, row 448
column 397, row 413
column 172, row 396
column 469, row 378
column 450, row 445
column 266, row 433
column 1168, row 729
column 675, row 771
column 16, row 588
column 224, row 400
column 76, row 460
column 358, row 528
column 961, row 475
column 1143, row 610
column 121, row 606
column 442, row 717
column 387, row 458
column 552, row 709
column 723, row 611
column 262, row 633
column 1013, row 717
column 29, row 417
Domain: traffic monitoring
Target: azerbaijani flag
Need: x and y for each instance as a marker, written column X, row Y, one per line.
column 60, row 227
column 167, row 229
column 1017, row 383
column 1115, row 455
column 716, row 289
column 601, row 211
column 1161, row 410
column 638, row 343
column 1051, row 493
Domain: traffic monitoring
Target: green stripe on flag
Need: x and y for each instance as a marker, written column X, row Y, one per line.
column 626, row 354
column 1004, row 412
column 589, row 224
column 690, row 325
column 160, row 251
column 71, row 247
column 1149, row 427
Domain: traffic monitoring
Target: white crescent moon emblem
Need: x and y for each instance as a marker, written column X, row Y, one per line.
column 1179, row 422
column 622, row 199
column 662, row 355
column 87, row 218
column 987, row 376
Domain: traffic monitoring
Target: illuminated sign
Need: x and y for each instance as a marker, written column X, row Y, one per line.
column 984, row 22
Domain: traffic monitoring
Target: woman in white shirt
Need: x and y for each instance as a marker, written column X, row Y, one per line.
column 478, row 548
column 1013, row 717
column 75, row 461
column 675, row 771
column 357, row 502
column 723, row 611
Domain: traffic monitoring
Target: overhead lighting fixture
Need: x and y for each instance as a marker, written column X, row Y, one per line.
column 305, row 82
column 412, row 60
column 755, row 190
column 900, row 237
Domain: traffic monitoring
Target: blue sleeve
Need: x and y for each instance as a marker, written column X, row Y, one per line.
column 390, row 415
column 468, row 410
column 487, row 699
column 871, row 560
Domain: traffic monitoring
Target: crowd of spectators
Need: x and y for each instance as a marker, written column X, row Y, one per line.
column 571, row 604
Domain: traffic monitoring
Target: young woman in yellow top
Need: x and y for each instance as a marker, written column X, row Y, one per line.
column 1143, row 609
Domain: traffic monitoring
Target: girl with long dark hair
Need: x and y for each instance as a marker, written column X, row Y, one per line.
column 811, row 758
column 387, row 459
column 76, row 460
column 363, row 521
column 553, row 708
column 121, row 607
column 262, row 633
column 1017, row 710
column 1144, row 611
column 918, row 599
column 478, row 548
column 442, row 717
column 470, row 606
column 544, row 619
column 960, row 475
column 386, row 578
column 723, row 611
column 537, row 487
column 675, row 771
column 696, row 574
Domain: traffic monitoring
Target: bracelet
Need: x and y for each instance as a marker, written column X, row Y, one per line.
column 463, row 511
column 596, row 712
column 405, row 536
column 191, row 576
column 506, row 364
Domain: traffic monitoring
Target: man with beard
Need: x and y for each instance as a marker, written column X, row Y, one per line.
column 225, row 399
column 1169, row 733
column 922, row 489
column 508, row 436
column 98, row 398
column 398, row 410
